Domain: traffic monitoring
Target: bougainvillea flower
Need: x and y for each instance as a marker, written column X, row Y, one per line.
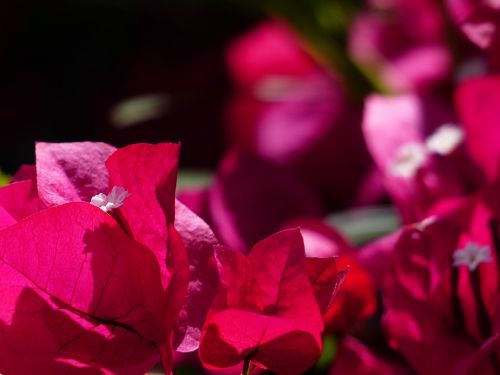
column 78, row 295
column 442, row 293
column 263, row 63
column 251, row 198
column 287, row 109
column 420, row 151
column 354, row 357
column 266, row 311
column 200, row 242
column 135, row 185
column 85, row 171
column 477, row 103
column 404, row 41
column 148, row 214
column 356, row 298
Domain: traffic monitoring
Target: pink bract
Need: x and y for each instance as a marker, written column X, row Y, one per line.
column 443, row 315
column 291, row 111
column 266, row 310
column 70, row 172
column 67, row 305
column 419, row 148
column 403, row 42
column 355, row 297
column 477, row 103
column 146, row 218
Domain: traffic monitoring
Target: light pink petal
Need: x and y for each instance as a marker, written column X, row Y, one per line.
column 419, row 68
column 70, row 172
column 203, row 277
column 391, row 122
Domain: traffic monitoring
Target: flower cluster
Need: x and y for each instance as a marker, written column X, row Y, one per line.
column 111, row 274
column 107, row 267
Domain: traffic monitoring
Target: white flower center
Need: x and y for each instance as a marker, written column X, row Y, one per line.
column 445, row 139
column 111, row 201
column 409, row 158
column 472, row 255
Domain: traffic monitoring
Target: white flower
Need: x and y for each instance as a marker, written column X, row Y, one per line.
column 445, row 139
column 472, row 255
column 113, row 200
column 409, row 158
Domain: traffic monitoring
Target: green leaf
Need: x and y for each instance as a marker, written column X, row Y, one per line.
column 193, row 178
column 362, row 225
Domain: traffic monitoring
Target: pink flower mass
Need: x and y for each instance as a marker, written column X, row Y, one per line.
column 442, row 295
column 115, row 290
column 334, row 207
column 112, row 281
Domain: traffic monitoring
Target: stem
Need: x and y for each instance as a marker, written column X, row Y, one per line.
column 495, row 238
column 247, row 367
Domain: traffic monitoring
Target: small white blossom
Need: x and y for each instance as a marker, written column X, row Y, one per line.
column 445, row 139
column 409, row 158
column 472, row 255
column 113, row 200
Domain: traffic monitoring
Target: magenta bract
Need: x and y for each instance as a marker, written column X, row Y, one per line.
column 266, row 310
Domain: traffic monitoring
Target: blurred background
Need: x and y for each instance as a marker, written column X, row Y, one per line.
column 320, row 114
column 116, row 71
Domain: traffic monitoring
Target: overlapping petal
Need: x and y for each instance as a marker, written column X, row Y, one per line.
column 72, row 265
column 266, row 309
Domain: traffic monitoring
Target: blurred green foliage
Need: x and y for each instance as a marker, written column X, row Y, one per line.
column 323, row 25
column 365, row 224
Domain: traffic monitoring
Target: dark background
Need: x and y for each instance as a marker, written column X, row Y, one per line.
column 65, row 64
